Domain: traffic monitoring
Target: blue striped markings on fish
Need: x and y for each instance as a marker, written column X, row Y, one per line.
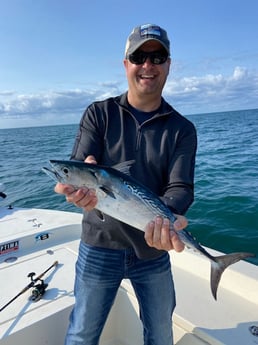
column 117, row 193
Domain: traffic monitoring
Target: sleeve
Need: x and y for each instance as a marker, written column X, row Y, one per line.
column 179, row 192
column 90, row 136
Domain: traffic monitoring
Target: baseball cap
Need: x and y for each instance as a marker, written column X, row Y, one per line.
column 144, row 33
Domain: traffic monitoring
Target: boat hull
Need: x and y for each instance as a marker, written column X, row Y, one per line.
column 32, row 240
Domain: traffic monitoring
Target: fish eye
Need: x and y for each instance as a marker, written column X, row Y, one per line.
column 65, row 170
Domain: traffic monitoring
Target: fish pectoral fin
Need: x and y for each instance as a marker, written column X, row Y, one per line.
column 108, row 191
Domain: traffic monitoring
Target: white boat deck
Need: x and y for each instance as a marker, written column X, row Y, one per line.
column 37, row 238
column 37, row 242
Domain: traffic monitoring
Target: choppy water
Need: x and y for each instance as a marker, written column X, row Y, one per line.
column 224, row 215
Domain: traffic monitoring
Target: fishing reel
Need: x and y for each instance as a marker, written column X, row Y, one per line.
column 38, row 289
column 254, row 330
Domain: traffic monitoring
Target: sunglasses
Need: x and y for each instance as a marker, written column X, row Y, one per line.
column 157, row 57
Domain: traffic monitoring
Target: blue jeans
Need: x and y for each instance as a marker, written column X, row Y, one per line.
column 99, row 272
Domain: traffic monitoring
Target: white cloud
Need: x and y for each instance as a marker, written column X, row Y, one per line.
column 214, row 92
column 189, row 95
column 239, row 73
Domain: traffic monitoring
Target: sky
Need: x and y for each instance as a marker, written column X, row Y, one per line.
column 58, row 56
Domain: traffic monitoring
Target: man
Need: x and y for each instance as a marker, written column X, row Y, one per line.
column 141, row 127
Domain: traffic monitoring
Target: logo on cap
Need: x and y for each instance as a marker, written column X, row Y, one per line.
column 150, row 30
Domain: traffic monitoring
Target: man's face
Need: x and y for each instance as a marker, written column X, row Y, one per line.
column 147, row 78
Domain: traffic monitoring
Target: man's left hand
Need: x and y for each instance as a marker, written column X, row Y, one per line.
column 158, row 233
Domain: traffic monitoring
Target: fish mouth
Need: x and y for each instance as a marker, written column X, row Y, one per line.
column 53, row 174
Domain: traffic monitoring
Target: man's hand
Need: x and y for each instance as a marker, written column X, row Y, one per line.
column 158, row 234
column 83, row 197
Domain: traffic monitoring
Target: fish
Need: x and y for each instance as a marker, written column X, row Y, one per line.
column 125, row 199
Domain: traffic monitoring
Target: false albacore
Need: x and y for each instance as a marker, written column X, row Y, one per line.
column 122, row 197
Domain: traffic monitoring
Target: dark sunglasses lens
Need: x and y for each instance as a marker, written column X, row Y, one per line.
column 137, row 58
column 156, row 58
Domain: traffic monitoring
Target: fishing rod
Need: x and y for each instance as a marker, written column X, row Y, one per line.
column 38, row 290
column 2, row 194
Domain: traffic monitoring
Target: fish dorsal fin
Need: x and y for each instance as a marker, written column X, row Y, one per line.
column 124, row 167
column 107, row 190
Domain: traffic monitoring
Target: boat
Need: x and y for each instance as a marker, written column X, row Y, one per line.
column 38, row 247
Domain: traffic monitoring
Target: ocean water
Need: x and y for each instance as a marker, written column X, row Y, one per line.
column 224, row 215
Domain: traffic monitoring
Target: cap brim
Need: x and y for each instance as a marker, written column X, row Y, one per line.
column 130, row 51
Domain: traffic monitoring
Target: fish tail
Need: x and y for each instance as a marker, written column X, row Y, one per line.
column 218, row 266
